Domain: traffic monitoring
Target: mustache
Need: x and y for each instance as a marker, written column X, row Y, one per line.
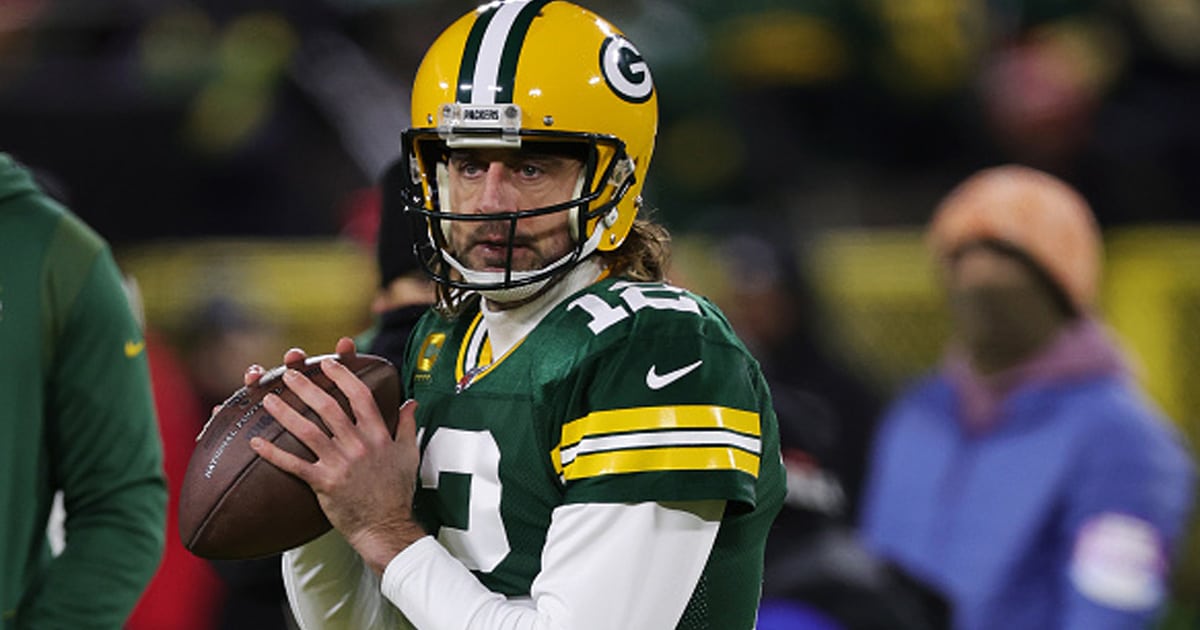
column 498, row 233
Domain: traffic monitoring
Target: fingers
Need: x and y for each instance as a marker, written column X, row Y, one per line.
column 340, row 425
column 362, row 402
column 252, row 374
column 308, row 433
column 345, row 347
column 406, row 426
column 282, row 459
column 305, row 430
column 294, row 357
column 320, row 401
column 406, row 434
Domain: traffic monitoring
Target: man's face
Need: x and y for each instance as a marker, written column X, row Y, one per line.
column 1001, row 310
column 490, row 181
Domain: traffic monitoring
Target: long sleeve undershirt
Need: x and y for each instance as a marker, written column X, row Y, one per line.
column 604, row 566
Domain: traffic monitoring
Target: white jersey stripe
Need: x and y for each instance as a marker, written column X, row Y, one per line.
column 648, row 439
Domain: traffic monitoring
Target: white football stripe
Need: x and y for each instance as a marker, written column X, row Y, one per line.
column 660, row 438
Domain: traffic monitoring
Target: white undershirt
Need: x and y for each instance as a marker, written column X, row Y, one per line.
column 506, row 327
column 629, row 566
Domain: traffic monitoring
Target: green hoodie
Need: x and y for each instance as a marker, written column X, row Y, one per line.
column 76, row 415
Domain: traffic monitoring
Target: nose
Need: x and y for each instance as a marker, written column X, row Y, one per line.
column 498, row 193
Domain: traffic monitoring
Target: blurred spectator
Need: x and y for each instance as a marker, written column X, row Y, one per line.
column 816, row 574
column 77, row 419
column 1139, row 166
column 827, row 409
column 186, row 593
column 405, row 291
column 220, row 337
column 1029, row 479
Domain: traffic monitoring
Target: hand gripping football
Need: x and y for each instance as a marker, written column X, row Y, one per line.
column 236, row 505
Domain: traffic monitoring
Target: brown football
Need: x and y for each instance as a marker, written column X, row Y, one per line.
column 234, row 504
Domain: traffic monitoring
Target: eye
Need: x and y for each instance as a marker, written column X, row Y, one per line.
column 468, row 167
column 530, row 170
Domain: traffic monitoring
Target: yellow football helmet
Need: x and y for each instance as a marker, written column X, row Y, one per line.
column 532, row 71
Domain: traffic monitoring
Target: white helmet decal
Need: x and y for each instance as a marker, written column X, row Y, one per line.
column 625, row 71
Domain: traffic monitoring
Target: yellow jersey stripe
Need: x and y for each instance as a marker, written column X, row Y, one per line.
column 483, row 363
column 661, row 460
column 649, row 418
column 460, row 367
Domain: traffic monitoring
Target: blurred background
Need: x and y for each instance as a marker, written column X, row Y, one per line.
column 229, row 151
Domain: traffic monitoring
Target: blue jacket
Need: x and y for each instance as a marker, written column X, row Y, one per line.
column 1063, row 513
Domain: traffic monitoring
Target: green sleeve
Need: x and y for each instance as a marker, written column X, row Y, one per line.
column 670, row 407
column 102, row 435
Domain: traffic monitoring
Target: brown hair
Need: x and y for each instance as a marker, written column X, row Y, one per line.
column 644, row 255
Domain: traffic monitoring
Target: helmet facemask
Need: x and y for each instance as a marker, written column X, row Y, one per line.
column 591, row 210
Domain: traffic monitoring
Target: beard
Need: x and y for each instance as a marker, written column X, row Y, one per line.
column 488, row 246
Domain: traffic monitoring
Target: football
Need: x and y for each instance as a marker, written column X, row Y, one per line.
column 236, row 505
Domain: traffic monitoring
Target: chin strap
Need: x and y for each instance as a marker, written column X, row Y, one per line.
column 521, row 292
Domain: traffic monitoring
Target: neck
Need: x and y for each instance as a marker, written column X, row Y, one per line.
column 508, row 323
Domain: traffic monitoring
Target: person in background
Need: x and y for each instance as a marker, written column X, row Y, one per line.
column 405, row 292
column 77, row 418
column 185, row 593
column 816, row 573
column 827, row 407
column 1029, row 479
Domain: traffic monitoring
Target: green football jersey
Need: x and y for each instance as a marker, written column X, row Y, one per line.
column 624, row 393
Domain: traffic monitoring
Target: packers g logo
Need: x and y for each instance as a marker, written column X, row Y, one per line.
column 625, row 70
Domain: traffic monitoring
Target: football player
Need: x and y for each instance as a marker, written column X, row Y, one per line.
column 590, row 446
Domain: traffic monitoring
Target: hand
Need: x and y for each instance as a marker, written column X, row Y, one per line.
column 363, row 478
column 293, row 357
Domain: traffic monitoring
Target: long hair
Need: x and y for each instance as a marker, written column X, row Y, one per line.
column 642, row 257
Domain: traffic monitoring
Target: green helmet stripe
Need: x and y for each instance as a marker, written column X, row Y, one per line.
column 512, row 50
column 492, row 50
column 466, row 71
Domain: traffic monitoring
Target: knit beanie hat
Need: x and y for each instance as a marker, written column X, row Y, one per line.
column 1031, row 211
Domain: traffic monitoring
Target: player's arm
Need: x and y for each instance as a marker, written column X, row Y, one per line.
column 106, row 452
column 606, row 565
column 329, row 587
column 631, row 566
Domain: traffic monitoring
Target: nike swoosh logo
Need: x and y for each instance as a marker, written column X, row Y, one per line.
column 134, row 348
column 659, row 381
